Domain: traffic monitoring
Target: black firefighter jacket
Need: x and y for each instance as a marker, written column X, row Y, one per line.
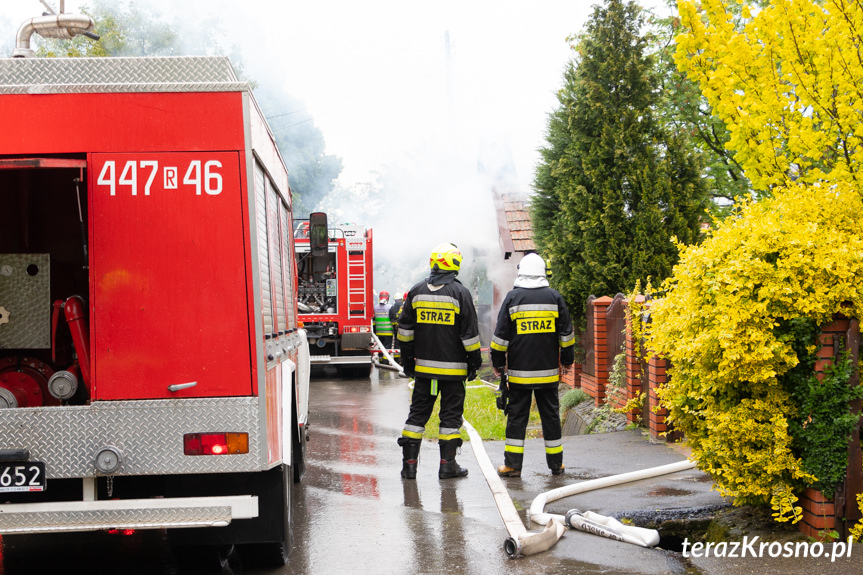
column 439, row 333
column 533, row 337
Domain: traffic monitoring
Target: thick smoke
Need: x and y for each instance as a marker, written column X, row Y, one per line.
column 430, row 196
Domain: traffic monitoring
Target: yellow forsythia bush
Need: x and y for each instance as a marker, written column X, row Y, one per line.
column 798, row 254
column 857, row 530
column 784, row 77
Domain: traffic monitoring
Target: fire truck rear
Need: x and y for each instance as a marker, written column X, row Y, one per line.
column 335, row 291
column 152, row 374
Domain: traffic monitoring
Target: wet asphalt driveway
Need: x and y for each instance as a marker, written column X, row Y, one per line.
column 355, row 514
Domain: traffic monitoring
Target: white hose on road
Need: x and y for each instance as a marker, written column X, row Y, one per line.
column 524, row 542
column 521, row 541
column 637, row 535
column 611, row 528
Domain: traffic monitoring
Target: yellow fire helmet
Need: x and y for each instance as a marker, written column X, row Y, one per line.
column 445, row 257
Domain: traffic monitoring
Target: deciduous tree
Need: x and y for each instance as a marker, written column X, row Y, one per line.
column 786, row 79
column 686, row 112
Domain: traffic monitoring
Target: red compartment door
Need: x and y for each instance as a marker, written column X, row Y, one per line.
column 168, row 287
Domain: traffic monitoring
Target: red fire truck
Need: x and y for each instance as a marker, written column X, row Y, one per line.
column 335, row 291
column 152, row 373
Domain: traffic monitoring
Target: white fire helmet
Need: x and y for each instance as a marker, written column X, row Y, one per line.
column 531, row 265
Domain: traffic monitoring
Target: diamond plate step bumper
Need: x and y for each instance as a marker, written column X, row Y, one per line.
column 126, row 514
column 148, row 432
column 340, row 360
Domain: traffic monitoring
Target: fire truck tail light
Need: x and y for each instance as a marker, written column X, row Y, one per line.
column 215, row 443
column 357, row 329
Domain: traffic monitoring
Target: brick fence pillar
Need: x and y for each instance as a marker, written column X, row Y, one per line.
column 819, row 513
column 572, row 378
column 600, row 347
column 657, row 376
column 832, row 343
column 836, row 511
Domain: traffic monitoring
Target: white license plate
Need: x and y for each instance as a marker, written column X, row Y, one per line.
column 22, row 476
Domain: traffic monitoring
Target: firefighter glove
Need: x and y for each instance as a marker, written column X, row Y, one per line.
column 503, row 395
column 408, row 364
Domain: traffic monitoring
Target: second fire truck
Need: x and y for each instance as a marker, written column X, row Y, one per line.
column 335, row 295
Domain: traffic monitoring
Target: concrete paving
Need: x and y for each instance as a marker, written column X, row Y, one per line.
column 356, row 513
column 671, row 496
column 593, row 456
column 674, row 496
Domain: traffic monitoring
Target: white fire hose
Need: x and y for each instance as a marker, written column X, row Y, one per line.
column 538, row 516
column 524, row 542
column 611, row 528
column 520, row 541
column 379, row 346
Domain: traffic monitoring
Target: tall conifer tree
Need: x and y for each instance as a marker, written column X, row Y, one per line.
column 613, row 185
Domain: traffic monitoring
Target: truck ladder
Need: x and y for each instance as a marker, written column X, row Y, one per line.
column 356, row 283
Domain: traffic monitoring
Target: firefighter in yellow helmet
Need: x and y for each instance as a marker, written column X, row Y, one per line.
column 439, row 336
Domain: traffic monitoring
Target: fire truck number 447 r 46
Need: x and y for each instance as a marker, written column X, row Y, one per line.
column 153, row 369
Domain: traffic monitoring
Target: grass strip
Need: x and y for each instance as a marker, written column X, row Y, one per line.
column 480, row 409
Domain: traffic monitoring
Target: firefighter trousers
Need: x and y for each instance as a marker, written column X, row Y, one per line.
column 548, row 404
column 426, row 391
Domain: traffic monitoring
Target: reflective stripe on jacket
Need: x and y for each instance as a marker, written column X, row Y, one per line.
column 383, row 325
column 533, row 337
column 439, row 329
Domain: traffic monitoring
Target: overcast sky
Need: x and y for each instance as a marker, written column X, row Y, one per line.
column 391, row 94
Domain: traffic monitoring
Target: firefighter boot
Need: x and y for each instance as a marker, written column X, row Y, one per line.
column 410, row 455
column 448, row 466
column 506, row 471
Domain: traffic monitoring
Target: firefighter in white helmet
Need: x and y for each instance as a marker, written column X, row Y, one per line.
column 439, row 336
column 533, row 337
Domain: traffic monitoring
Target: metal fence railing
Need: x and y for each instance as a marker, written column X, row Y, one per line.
column 587, row 340
column 615, row 329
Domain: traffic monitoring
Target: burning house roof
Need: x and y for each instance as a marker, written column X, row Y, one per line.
column 513, row 221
